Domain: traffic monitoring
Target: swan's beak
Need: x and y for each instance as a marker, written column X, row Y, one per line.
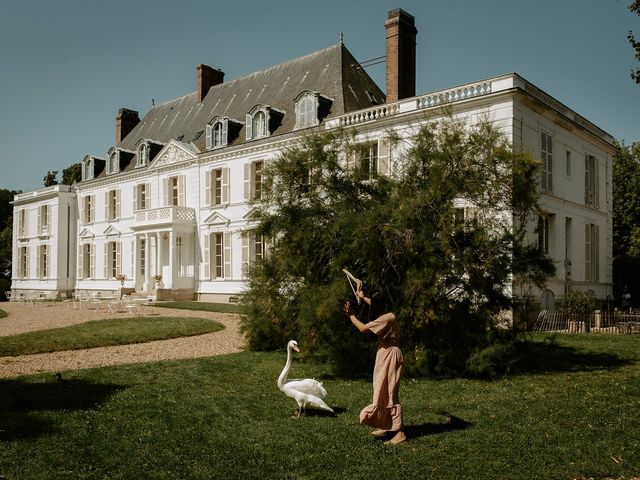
column 295, row 347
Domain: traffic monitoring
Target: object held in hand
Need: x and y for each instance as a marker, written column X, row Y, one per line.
column 354, row 281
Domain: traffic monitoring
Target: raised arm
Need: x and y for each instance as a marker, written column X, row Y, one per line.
column 352, row 316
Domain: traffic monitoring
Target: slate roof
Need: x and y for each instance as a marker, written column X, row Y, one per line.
column 332, row 72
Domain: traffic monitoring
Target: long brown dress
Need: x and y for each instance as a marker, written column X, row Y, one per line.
column 385, row 412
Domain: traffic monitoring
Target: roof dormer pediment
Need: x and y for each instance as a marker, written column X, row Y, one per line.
column 174, row 152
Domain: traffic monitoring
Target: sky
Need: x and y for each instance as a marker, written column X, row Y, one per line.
column 67, row 66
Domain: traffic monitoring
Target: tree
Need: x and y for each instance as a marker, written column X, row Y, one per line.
column 50, row 178
column 445, row 270
column 626, row 203
column 72, row 174
column 635, row 74
column 6, row 230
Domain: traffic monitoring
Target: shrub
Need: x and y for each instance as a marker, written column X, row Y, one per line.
column 578, row 302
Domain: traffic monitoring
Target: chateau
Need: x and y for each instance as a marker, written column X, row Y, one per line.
column 165, row 209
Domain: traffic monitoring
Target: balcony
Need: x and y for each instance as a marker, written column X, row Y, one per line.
column 165, row 216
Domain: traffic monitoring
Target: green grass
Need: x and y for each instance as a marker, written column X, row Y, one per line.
column 3, row 314
column 204, row 306
column 102, row 333
column 574, row 416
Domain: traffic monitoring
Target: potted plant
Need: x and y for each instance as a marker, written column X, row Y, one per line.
column 121, row 278
column 158, row 278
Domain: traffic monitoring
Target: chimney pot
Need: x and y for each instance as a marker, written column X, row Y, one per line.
column 401, row 55
column 207, row 78
column 126, row 120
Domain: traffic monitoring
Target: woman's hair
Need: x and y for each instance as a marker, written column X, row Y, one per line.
column 379, row 305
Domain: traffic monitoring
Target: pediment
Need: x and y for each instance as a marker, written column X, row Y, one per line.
column 86, row 233
column 111, row 231
column 174, row 152
column 216, row 219
column 250, row 215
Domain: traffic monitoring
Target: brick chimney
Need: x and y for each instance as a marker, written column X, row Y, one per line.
column 207, row 78
column 401, row 55
column 126, row 120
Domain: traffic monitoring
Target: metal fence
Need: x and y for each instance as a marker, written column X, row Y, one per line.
column 600, row 321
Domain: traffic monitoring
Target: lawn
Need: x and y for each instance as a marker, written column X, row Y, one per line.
column 103, row 333
column 573, row 415
column 3, row 314
column 203, row 306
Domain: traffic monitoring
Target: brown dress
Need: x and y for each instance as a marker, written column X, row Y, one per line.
column 385, row 412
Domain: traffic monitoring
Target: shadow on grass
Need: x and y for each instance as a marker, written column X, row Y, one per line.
column 550, row 357
column 22, row 404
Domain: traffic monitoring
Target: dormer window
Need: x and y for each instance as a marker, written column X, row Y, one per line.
column 311, row 107
column 262, row 121
column 87, row 168
column 113, row 162
column 221, row 131
column 143, row 155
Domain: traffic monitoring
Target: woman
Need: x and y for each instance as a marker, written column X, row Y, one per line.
column 385, row 413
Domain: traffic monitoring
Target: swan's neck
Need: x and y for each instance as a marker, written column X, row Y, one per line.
column 285, row 371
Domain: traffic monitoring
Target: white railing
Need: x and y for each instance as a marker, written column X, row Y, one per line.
column 368, row 115
column 460, row 93
column 166, row 215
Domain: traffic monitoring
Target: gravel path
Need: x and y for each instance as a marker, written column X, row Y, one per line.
column 26, row 318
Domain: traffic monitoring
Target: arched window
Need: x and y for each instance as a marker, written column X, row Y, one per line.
column 218, row 137
column 259, row 124
column 87, row 169
column 112, row 163
column 143, row 154
column 307, row 110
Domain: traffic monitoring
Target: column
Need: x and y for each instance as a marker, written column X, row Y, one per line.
column 172, row 253
column 159, row 255
column 147, row 263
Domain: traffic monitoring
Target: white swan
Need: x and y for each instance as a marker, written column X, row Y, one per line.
column 307, row 392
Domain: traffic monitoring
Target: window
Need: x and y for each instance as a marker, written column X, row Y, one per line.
column 261, row 121
column 43, row 261
column 23, row 268
column 141, row 197
column 112, row 259
column 87, row 168
column 23, row 223
column 591, row 182
column 543, row 229
column 592, row 252
column 44, row 219
column 143, row 155
column 112, row 205
column 143, row 256
column 86, row 261
column 113, row 162
column 568, row 171
column 217, row 255
column 568, row 247
column 253, row 250
column 546, row 180
column 217, row 187
column 174, row 191
column 368, row 160
column 253, row 180
column 307, row 110
column 88, row 209
column 259, row 124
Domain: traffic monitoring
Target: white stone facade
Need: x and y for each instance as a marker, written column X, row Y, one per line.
column 182, row 215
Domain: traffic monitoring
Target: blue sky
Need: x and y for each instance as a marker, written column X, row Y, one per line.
column 66, row 66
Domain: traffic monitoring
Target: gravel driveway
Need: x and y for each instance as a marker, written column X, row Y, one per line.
column 27, row 318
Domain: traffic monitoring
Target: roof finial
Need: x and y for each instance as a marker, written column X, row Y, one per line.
column 341, row 38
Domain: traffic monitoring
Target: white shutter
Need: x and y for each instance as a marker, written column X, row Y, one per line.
column 247, row 182
column 207, row 257
column 166, row 193
column 208, row 181
column 245, row 254
column 27, row 270
column 80, row 262
column 587, row 252
column 209, row 140
column 225, row 185
column 225, row 132
column 106, row 260
column 39, row 220
column 182, row 191
column 106, row 205
column 92, row 260
column 118, row 258
column 117, row 212
column 596, row 192
column 136, row 192
column 587, row 187
column 248, row 126
column 550, row 164
column 39, row 261
column 227, row 255
column 252, row 248
column 384, row 157
column 596, row 251
column 49, row 227
column 92, row 209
